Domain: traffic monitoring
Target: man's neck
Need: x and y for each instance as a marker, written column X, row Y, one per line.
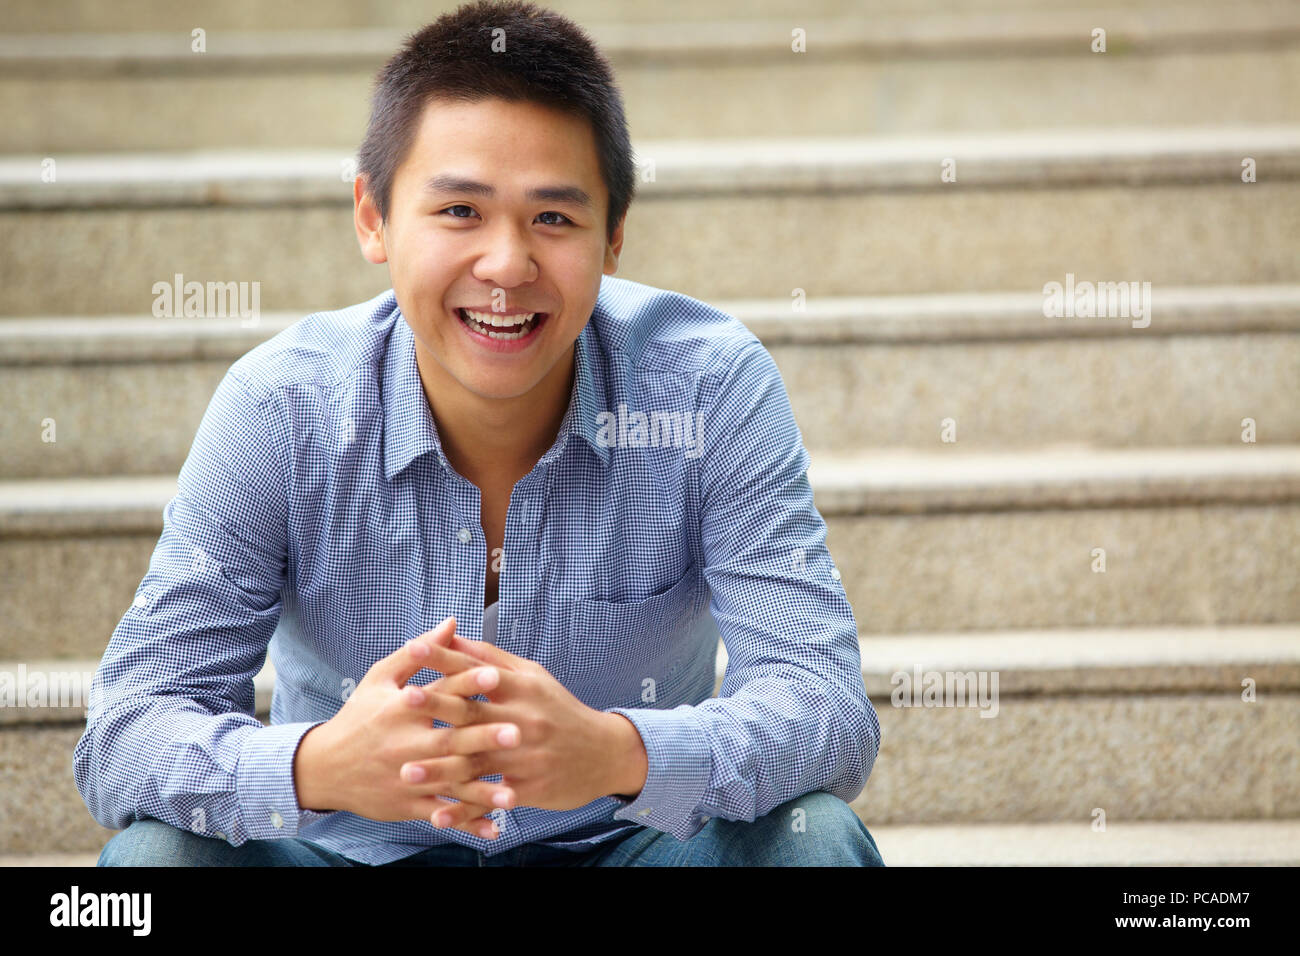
column 495, row 441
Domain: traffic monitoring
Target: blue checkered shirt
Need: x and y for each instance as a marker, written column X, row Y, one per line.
column 318, row 518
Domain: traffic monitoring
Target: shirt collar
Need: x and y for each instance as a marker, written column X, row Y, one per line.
column 409, row 428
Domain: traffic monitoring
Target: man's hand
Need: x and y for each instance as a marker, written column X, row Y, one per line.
column 362, row 760
column 569, row 755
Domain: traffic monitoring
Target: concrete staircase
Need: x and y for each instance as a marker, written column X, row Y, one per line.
column 1120, row 691
column 869, row 68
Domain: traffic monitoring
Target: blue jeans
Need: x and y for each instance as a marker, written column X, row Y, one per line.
column 826, row 833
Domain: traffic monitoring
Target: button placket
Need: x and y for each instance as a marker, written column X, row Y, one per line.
column 519, row 554
column 467, row 497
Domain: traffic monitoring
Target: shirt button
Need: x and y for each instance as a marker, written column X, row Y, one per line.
column 140, row 600
column 835, row 573
column 644, row 813
column 277, row 821
column 464, row 535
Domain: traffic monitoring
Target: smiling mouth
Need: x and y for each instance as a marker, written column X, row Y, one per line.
column 510, row 329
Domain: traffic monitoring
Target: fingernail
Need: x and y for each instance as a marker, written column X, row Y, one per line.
column 415, row 773
column 441, row 819
column 507, row 736
column 487, row 677
column 418, row 648
column 501, row 798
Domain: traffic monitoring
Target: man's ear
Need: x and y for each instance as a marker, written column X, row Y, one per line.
column 370, row 225
column 614, row 248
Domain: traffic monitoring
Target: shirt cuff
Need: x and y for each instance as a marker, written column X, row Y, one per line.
column 268, row 800
column 678, row 767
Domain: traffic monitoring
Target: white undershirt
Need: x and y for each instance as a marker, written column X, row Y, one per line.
column 490, row 622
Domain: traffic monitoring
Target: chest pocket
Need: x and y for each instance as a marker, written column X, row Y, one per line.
column 614, row 648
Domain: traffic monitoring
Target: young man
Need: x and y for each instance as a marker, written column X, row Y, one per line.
column 514, row 475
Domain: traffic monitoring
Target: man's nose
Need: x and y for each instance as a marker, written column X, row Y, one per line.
column 506, row 259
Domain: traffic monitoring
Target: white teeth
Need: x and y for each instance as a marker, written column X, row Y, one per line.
column 479, row 322
column 490, row 318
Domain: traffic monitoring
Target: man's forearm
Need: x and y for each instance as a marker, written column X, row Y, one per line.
column 631, row 764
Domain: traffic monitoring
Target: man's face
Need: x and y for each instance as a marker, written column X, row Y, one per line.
column 510, row 244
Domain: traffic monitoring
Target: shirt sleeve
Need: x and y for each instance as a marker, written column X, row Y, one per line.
column 792, row 715
column 170, row 728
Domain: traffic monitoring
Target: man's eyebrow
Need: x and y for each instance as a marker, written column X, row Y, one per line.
column 572, row 195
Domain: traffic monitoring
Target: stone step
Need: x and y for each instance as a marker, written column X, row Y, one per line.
column 297, row 15
column 860, row 75
column 1085, row 719
column 124, row 395
column 924, row 542
column 861, row 372
column 885, row 372
column 1080, row 720
column 1196, row 843
column 40, row 808
column 1164, row 207
column 1064, row 536
column 49, row 859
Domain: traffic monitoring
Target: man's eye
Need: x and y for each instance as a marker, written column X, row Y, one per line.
column 565, row 219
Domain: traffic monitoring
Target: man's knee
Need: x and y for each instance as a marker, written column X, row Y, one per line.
column 154, row 843
column 815, row 829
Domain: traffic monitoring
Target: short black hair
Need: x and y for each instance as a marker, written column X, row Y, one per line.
column 547, row 59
